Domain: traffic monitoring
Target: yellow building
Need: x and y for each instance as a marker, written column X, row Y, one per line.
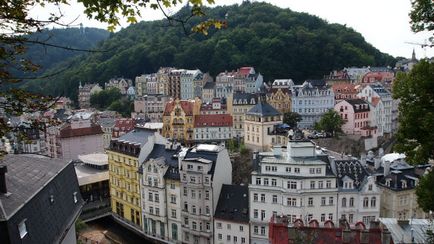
column 178, row 119
column 124, row 156
column 280, row 99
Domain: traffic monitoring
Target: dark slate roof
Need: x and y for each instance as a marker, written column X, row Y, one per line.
column 352, row 169
column 26, row 175
column 359, row 102
column 233, row 204
column 209, row 85
column 396, row 177
column 378, row 88
column 317, row 83
column 241, row 97
column 136, row 136
column 263, row 109
column 209, row 155
column 170, row 158
column 107, row 122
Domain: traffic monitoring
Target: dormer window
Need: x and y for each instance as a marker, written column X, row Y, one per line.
column 388, row 182
column 404, row 184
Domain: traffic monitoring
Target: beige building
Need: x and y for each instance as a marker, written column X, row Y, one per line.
column 280, row 99
column 85, row 92
column 238, row 105
column 259, row 124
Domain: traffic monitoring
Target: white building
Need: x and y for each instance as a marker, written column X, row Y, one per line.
column 212, row 127
column 296, row 182
column 231, row 218
column 161, row 194
column 188, row 78
column 311, row 102
column 382, row 106
column 203, row 171
column 282, row 83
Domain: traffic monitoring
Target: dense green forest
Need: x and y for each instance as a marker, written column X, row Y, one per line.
column 46, row 56
column 279, row 43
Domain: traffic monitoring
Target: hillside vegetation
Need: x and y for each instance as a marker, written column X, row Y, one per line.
column 279, row 43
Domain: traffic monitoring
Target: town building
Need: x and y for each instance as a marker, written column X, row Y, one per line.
column 204, row 169
column 199, row 83
column 178, row 119
column 212, row 127
column 121, row 84
column 150, row 107
column 123, row 126
column 382, row 105
column 107, row 125
column 356, row 73
column 93, row 179
column 85, row 92
column 382, row 75
column 142, row 84
column 337, row 76
column 217, row 106
column 285, row 231
column 39, row 200
column 311, row 102
column 162, row 83
column 280, row 99
column 208, row 92
column 125, row 156
column 357, row 117
column 188, row 80
column 247, row 80
column 406, row 65
column 174, row 82
column 80, row 135
column 231, row 217
column 259, row 123
column 282, row 83
column 397, row 181
column 161, row 193
column 344, row 90
column 297, row 182
column 238, row 104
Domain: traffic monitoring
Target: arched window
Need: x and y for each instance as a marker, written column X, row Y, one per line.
column 365, row 202
column 344, row 202
column 352, row 202
column 373, row 201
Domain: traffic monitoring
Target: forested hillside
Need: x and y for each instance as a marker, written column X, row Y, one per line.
column 279, row 43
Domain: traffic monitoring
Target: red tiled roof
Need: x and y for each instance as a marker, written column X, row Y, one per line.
column 187, row 106
column 345, row 88
column 213, row 120
column 245, row 70
column 68, row 132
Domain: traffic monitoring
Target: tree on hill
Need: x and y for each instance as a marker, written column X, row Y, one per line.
column 105, row 98
column 291, row 119
column 415, row 90
column 330, row 122
column 425, row 193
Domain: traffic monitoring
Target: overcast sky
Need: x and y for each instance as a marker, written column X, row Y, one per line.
column 383, row 23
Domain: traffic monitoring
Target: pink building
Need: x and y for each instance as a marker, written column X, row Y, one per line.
column 80, row 135
column 378, row 74
column 344, row 90
column 357, row 117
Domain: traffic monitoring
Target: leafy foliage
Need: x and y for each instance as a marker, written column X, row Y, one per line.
column 123, row 106
column 291, row 119
column 424, row 192
column 415, row 90
column 422, row 15
column 277, row 42
column 105, row 98
column 330, row 122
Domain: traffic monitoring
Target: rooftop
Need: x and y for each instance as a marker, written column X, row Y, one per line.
column 263, row 109
column 233, row 204
column 136, row 136
column 88, row 175
column 26, row 175
column 67, row 131
column 213, row 120
column 98, row 159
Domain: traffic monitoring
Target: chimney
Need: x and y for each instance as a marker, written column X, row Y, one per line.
column 363, row 159
column 386, row 168
column 3, row 188
column 333, row 164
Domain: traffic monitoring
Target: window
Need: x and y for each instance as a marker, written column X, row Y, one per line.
column 207, row 210
column 241, row 228
column 255, row 197
column 228, row 237
column 235, row 239
column 292, row 184
column 189, row 166
column 262, row 230
column 150, row 198
column 265, row 181
column 157, row 197
column 291, row 201
column 262, row 214
column 157, row 211
column 322, row 217
column 219, row 225
column 228, row 226
column 192, row 179
column 172, row 185
column 75, row 197
column 194, row 225
column 273, row 182
column 311, row 171
column 330, row 200
column 255, row 213
column 193, row 209
column 351, row 202
column 297, row 170
column 172, row 198
column 288, row 169
column 193, row 194
column 320, row 184
column 174, row 232
column 185, row 191
column 243, row 240
column 318, row 170
column 365, row 202
column 262, row 197
column 323, row 201
column 310, row 202
column 255, row 229
column 330, row 216
column 274, row 198
column 258, row 181
column 22, row 228
column 312, row 185
column 151, row 210
column 329, row 184
column 370, row 187
column 350, row 218
column 344, row 202
column 220, row 236
column 373, row 202
column 173, row 213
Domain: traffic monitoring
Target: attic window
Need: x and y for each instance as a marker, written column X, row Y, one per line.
column 388, row 182
column 404, row 184
column 75, row 197
column 22, row 228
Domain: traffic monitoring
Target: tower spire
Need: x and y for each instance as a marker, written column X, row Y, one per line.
column 413, row 55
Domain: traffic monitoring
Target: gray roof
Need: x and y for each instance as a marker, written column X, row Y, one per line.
column 26, row 175
column 209, row 85
column 263, row 109
column 107, row 122
column 402, row 230
column 170, row 158
column 233, row 204
column 136, row 136
column 352, row 169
